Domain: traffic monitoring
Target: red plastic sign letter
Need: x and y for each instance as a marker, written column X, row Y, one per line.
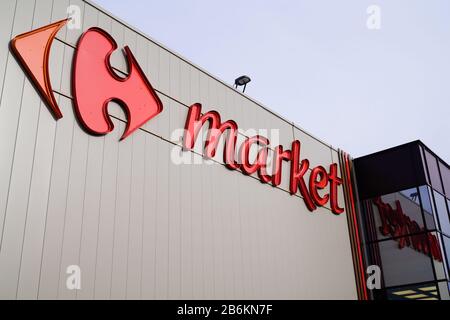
column 95, row 84
column 32, row 50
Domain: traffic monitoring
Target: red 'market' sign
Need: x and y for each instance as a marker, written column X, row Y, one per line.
column 94, row 85
column 319, row 178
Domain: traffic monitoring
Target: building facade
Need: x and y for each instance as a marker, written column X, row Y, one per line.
column 136, row 217
column 127, row 172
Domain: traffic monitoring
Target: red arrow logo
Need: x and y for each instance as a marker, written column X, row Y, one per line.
column 32, row 49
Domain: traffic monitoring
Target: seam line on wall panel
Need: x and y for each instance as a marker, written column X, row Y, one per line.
column 144, row 189
column 115, row 216
column 241, row 249
column 114, row 221
column 114, row 225
column 168, row 198
column 133, row 141
column 83, row 209
column 212, row 241
column 181, row 264
column 99, row 216
column 182, row 261
column 158, row 242
column 155, row 225
column 8, row 52
column 144, row 186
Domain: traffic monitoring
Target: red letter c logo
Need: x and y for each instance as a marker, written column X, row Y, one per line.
column 95, row 84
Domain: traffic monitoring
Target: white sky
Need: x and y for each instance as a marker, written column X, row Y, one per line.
column 316, row 63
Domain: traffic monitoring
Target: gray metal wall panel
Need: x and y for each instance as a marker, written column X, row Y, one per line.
column 186, row 232
column 57, row 55
column 121, row 219
column 37, row 206
column 197, row 232
column 90, row 18
column 6, row 25
column 12, row 93
column 135, row 239
column 73, row 213
column 162, row 222
column 139, row 225
column 91, row 215
column 66, row 87
column 174, row 233
column 22, row 151
column 118, row 33
column 54, row 227
column 105, row 236
column 149, row 220
column 152, row 71
column 104, row 22
column 36, row 202
column 59, row 12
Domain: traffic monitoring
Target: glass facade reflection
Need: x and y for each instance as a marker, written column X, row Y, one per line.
column 442, row 212
column 406, row 248
column 405, row 220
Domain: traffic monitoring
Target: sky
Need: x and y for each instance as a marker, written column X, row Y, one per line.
column 318, row 64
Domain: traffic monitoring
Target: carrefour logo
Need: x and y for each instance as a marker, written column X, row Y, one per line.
column 94, row 84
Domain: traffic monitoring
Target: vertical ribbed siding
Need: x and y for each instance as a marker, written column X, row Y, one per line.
column 138, row 225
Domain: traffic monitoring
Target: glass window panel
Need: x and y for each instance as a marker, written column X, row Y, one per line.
column 445, row 174
column 447, row 250
column 437, row 253
column 442, row 213
column 428, row 207
column 403, row 260
column 433, row 171
column 394, row 215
